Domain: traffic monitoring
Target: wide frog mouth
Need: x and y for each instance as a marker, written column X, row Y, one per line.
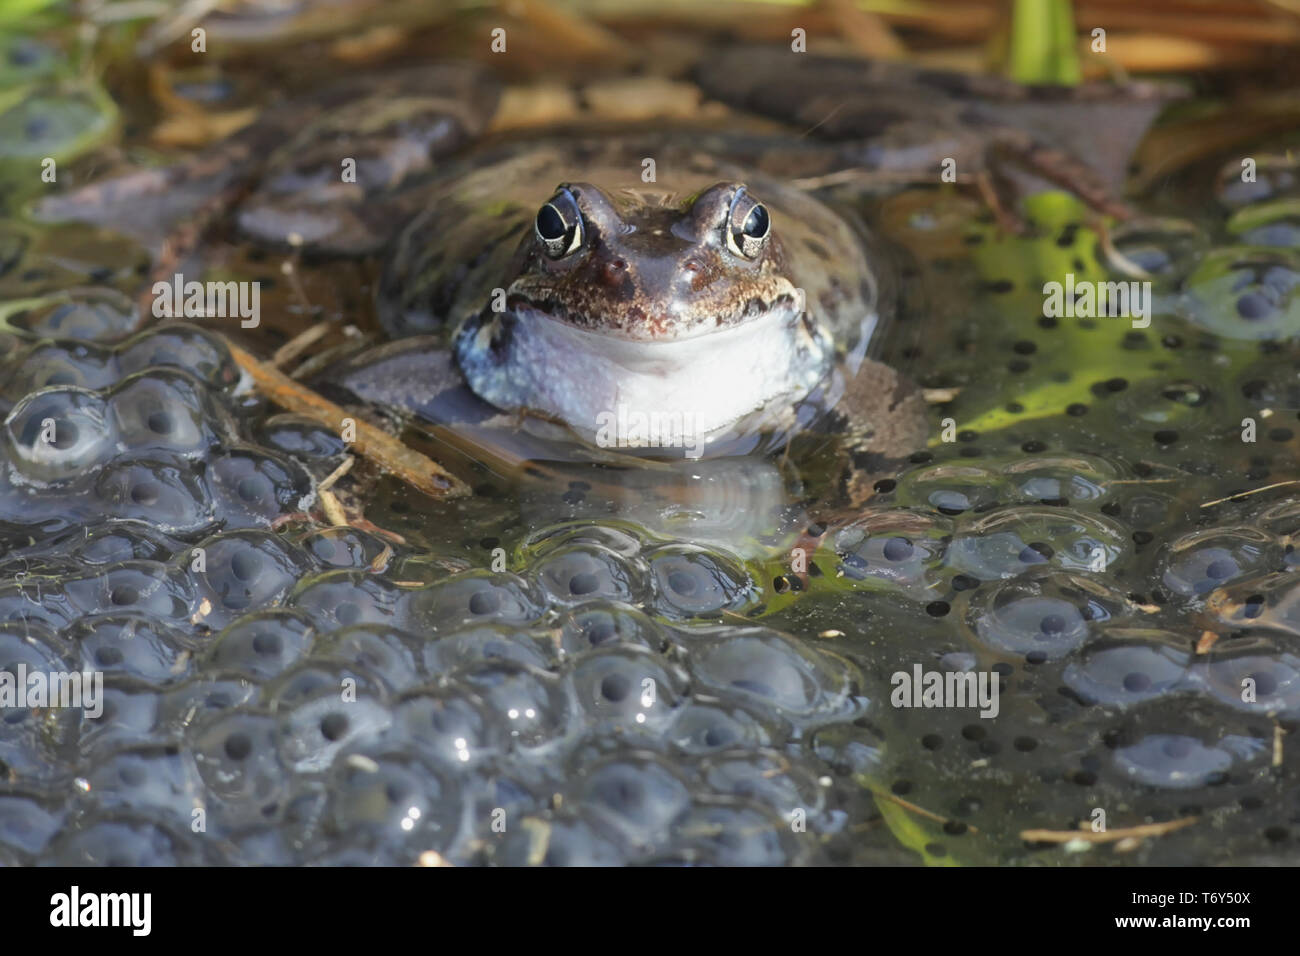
column 629, row 389
column 672, row 322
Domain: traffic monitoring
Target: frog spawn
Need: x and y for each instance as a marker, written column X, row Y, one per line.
column 138, row 438
column 309, row 709
column 469, row 685
column 1246, row 288
column 1166, row 703
column 478, row 691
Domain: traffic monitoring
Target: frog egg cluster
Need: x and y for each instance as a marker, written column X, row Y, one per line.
column 313, row 710
column 1247, row 288
column 325, row 695
column 1151, row 675
column 141, row 431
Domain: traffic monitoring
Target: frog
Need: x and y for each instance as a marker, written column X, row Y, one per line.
column 686, row 291
column 716, row 300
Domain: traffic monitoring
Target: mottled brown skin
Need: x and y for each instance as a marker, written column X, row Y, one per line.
column 661, row 272
column 680, row 272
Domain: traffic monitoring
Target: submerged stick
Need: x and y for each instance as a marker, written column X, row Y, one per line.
column 1107, row 836
column 1252, row 491
column 418, row 471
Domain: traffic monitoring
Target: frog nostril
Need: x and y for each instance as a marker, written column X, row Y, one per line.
column 614, row 271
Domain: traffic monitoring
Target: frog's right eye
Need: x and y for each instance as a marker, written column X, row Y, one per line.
column 559, row 225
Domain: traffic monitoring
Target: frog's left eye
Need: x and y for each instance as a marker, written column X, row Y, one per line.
column 748, row 225
column 559, row 225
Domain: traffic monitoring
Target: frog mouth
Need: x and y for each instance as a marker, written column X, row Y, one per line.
column 635, row 325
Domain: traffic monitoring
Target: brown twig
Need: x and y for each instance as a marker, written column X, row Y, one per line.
column 920, row 811
column 300, row 343
column 421, row 473
column 330, row 479
column 1107, row 836
column 1253, row 491
column 332, row 507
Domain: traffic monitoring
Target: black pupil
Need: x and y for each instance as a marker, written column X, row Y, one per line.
column 756, row 223
column 550, row 224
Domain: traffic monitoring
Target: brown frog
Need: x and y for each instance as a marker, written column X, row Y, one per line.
column 696, row 311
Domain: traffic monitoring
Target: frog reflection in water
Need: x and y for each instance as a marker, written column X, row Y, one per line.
column 712, row 305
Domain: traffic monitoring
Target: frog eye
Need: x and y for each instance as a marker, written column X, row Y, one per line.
column 748, row 225
column 559, row 225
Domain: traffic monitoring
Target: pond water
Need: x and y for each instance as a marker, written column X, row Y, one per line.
column 635, row 662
